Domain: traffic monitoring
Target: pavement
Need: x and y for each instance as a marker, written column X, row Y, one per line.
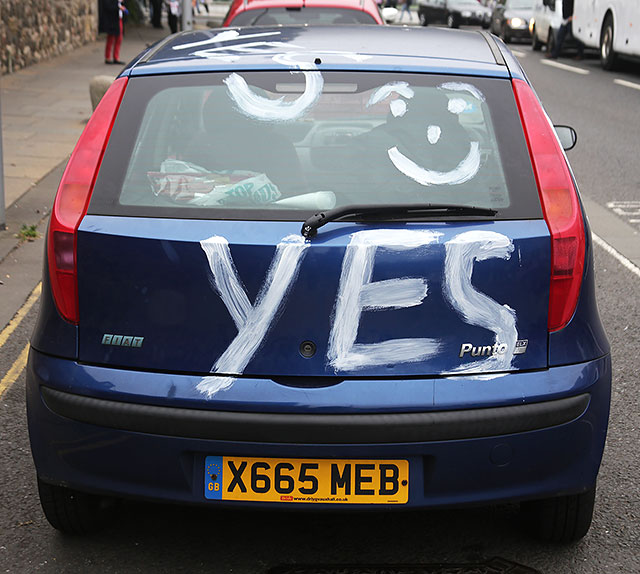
column 45, row 107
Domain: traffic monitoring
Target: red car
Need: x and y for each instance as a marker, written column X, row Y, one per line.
column 292, row 12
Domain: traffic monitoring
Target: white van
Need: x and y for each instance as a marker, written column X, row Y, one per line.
column 545, row 23
column 612, row 26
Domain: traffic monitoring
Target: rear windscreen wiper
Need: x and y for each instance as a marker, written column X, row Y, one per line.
column 390, row 212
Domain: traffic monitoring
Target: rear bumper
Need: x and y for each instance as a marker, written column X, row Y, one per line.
column 116, row 443
column 315, row 428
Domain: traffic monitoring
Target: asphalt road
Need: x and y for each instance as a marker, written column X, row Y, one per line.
column 160, row 538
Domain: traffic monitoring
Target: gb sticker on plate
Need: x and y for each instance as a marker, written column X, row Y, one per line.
column 213, row 478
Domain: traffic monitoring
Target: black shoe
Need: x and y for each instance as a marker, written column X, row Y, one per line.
column 119, row 62
column 108, row 62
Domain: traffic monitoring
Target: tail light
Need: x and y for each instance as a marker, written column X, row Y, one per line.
column 73, row 198
column 560, row 206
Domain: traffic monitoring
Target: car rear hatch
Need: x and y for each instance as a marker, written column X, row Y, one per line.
column 191, row 258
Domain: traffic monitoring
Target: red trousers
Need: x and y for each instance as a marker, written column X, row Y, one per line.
column 113, row 43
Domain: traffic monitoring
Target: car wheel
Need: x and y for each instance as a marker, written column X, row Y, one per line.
column 560, row 519
column 74, row 512
column 423, row 19
column 452, row 21
column 536, row 44
column 607, row 54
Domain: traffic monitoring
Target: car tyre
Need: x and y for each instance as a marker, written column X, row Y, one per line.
column 536, row 44
column 74, row 512
column 452, row 21
column 561, row 519
column 608, row 56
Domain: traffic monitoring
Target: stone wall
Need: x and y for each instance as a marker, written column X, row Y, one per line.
column 36, row 30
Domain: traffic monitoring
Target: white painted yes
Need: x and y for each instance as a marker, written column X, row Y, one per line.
column 357, row 293
column 475, row 307
column 253, row 321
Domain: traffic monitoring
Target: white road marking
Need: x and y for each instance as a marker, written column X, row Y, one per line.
column 565, row 67
column 626, row 209
column 519, row 54
column 615, row 253
column 627, row 84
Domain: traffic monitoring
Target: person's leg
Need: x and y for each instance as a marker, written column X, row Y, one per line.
column 562, row 34
column 109, row 47
column 579, row 44
column 116, row 48
column 157, row 13
column 173, row 22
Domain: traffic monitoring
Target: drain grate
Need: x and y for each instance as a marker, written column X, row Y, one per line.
column 491, row 566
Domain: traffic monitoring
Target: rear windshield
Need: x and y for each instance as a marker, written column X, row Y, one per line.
column 282, row 145
column 292, row 16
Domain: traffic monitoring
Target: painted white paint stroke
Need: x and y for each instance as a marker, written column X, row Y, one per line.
column 486, row 377
column 232, row 52
column 393, row 294
column 226, row 36
column 210, row 386
column 398, row 108
column 383, row 92
column 475, row 307
column 457, row 105
column 433, row 134
column 464, row 171
column 226, row 279
column 463, row 87
column 357, row 293
column 277, row 110
column 255, row 321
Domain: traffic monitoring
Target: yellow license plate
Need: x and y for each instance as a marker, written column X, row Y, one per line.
column 306, row 480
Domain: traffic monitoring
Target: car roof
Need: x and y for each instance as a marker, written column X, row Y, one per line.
column 374, row 48
column 261, row 4
column 239, row 6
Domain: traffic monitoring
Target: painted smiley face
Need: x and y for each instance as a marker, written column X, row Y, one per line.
column 277, row 110
column 466, row 168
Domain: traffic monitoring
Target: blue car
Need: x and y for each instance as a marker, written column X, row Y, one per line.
column 281, row 274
